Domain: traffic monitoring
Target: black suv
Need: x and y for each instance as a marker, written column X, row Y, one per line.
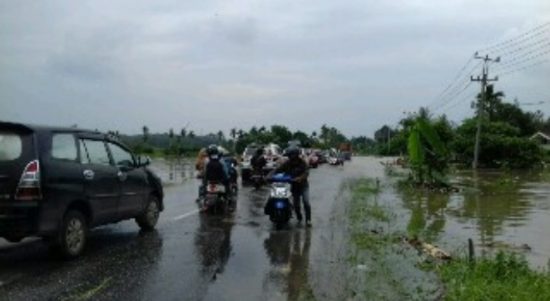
column 57, row 183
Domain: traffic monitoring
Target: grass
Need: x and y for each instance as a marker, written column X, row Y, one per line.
column 503, row 277
column 368, row 217
column 382, row 268
column 362, row 204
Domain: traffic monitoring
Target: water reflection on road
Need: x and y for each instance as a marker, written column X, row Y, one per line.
column 499, row 210
column 213, row 243
column 288, row 252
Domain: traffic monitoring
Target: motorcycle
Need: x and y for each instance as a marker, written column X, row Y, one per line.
column 279, row 207
column 257, row 179
column 215, row 198
column 335, row 161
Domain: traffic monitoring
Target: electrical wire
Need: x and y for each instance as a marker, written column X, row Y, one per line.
column 453, row 81
column 537, row 31
column 514, row 70
column 525, row 58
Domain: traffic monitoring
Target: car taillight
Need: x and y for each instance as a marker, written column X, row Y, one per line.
column 29, row 184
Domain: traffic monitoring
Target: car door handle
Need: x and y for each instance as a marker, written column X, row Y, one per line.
column 122, row 176
column 88, row 174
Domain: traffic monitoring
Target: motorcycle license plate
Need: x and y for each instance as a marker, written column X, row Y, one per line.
column 216, row 188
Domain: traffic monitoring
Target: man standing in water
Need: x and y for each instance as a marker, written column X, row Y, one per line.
column 297, row 168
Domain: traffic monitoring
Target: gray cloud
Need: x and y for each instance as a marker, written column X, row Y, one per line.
column 220, row 64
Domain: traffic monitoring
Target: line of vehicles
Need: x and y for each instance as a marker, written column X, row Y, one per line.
column 58, row 183
column 279, row 203
column 274, row 155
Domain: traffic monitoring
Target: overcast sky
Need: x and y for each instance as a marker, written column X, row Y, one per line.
column 355, row 65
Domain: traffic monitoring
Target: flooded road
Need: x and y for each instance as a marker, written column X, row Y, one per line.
column 240, row 256
column 192, row 256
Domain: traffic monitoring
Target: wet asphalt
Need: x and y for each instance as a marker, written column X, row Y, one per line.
column 192, row 256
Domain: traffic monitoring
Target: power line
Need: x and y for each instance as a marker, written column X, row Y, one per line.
column 462, row 110
column 533, row 54
column 534, row 39
column 521, row 37
column 514, row 70
column 529, row 43
column 453, row 81
column 458, row 89
column 521, row 63
column 470, row 96
column 521, row 48
column 454, row 96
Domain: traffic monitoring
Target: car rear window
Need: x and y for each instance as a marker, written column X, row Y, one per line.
column 11, row 146
column 250, row 151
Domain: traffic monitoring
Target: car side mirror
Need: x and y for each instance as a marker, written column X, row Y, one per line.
column 126, row 165
column 143, row 161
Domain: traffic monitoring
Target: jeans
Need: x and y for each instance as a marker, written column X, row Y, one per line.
column 302, row 197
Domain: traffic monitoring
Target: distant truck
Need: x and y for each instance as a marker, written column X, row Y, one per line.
column 345, row 150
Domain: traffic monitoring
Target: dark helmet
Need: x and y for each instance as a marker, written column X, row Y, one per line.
column 212, row 151
column 293, row 152
column 260, row 151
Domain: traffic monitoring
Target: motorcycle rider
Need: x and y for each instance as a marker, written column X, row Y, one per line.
column 258, row 162
column 231, row 164
column 215, row 170
column 297, row 168
column 202, row 159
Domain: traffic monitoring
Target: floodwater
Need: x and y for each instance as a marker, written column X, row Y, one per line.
column 173, row 171
column 498, row 210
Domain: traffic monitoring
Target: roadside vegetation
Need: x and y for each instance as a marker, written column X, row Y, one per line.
column 383, row 267
column 506, row 276
column 506, row 135
column 386, row 255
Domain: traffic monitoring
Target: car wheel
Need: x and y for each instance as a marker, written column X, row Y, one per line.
column 73, row 234
column 149, row 218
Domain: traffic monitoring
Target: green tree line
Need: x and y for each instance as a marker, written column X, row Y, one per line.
column 505, row 136
column 186, row 142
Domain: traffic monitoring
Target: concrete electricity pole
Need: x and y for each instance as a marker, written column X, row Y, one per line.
column 484, row 79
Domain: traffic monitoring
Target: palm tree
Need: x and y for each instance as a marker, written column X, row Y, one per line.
column 324, row 136
column 424, row 113
column 221, row 136
column 145, row 133
column 491, row 101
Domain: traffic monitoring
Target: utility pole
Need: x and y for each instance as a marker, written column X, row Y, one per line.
column 388, row 139
column 484, row 79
